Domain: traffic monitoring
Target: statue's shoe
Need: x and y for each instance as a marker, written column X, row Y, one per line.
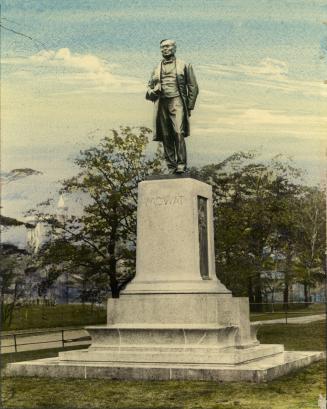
column 180, row 169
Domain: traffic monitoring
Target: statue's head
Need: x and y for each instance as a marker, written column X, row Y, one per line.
column 168, row 48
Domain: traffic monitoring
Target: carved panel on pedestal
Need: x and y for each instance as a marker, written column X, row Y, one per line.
column 203, row 237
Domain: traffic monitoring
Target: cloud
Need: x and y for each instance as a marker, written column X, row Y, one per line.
column 268, row 67
column 268, row 73
column 265, row 117
column 83, row 70
column 262, row 121
column 64, row 57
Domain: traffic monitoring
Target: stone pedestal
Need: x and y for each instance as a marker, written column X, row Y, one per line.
column 169, row 257
column 175, row 320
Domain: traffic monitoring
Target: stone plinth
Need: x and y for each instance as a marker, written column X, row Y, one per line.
column 175, row 320
column 168, row 245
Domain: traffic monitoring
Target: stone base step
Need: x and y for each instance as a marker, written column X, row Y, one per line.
column 257, row 371
column 178, row 355
column 150, row 334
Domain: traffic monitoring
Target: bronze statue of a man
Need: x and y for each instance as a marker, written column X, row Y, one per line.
column 173, row 89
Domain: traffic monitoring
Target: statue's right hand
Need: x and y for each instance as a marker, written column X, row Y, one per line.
column 151, row 95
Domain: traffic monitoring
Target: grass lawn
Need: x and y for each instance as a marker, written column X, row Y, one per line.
column 299, row 390
column 65, row 315
column 70, row 315
column 293, row 311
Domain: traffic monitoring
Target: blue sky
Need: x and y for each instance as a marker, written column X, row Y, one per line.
column 260, row 67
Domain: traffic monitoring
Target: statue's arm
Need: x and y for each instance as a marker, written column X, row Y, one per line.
column 149, row 92
column 192, row 87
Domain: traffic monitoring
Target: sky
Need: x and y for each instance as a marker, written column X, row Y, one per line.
column 260, row 65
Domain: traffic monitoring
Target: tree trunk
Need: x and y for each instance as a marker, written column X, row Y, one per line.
column 114, row 290
column 112, row 259
column 286, row 294
column 12, row 306
column 250, row 290
column 258, row 293
column 113, row 277
column 287, row 277
column 306, row 292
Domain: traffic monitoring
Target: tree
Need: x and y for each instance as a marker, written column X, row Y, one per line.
column 310, row 239
column 96, row 244
column 12, row 268
column 257, row 208
column 250, row 200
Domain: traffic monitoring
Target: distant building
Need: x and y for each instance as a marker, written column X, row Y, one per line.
column 30, row 237
column 39, row 233
column 62, row 209
column 273, row 286
column 36, row 235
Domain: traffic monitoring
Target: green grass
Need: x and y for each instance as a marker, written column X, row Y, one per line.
column 29, row 355
column 293, row 311
column 66, row 315
column 69, row 315
column 299, row 390
column 305, row 337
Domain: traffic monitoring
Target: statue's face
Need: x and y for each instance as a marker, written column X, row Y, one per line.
column 168, row 48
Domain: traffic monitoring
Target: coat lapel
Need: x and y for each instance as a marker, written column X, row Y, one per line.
column 180, row 67
column 157, row 72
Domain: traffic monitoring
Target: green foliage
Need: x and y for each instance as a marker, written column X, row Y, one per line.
column 98, row 247
column 10, row 221
column 266, row 221
column 13, row 266
column 261, row 211
column 310, row 245
column 9, row 288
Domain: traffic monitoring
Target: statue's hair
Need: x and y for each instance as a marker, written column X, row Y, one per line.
column 168, row 39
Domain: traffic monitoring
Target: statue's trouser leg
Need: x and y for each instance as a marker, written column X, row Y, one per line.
column 172, row 116
column 169, row 150
column 167, row 134
column 177, row 116
column 180, row 150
